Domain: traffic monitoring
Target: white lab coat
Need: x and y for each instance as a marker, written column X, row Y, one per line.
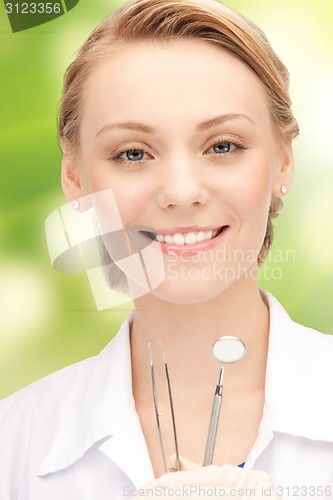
column 75, row 435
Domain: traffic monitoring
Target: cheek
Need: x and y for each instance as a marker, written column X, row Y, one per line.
column 132, row 194
column 255, row 202
column 132, row 191
column 256, row 184
column 132, row 203
column 255, row 196
column 249, row 191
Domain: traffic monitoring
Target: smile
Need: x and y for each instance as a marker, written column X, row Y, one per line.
column 187, row 241
column 189, row 237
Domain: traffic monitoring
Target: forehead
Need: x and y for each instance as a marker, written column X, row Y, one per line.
column 181, row 82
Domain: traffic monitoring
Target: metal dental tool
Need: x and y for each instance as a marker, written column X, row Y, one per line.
column 157, row 414
column 226, row 349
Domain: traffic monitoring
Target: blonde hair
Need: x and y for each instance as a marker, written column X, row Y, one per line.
column 207, row 20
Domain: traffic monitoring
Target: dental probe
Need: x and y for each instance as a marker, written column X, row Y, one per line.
column 157, row 414
column 171, row 405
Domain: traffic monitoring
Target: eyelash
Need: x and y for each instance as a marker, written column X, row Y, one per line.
column 237, row 145
column 118, row 158
column 123, row 160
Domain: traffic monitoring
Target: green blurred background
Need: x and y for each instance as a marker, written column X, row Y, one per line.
column 49, row 320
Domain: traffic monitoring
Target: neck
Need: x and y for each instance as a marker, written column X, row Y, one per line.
column 187, row 333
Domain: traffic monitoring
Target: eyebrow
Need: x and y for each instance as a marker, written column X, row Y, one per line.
column 223, row 118
column 141, row 127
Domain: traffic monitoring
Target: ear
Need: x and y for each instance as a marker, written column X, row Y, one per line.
column 70, row 173
column 284, row 175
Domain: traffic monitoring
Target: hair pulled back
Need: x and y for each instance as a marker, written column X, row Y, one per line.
column 163, row 20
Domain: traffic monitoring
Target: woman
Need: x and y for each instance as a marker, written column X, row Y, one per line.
column 179, row 111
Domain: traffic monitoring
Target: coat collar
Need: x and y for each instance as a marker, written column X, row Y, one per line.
column 100, row 406
column 299, row 377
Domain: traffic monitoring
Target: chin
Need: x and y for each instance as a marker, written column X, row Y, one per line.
column 190, row 292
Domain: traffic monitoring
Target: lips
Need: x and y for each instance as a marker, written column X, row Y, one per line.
column 187, row 237
column 187, row 240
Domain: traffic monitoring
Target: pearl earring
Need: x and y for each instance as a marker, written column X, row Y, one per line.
column 76, row 204
column 284, row 189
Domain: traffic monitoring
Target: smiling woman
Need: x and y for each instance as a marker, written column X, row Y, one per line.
column 203, row 162
column 178, row 113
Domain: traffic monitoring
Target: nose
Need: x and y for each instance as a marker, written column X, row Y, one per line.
column 182, row 184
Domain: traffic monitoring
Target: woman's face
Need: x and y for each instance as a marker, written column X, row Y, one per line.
column 181, row 132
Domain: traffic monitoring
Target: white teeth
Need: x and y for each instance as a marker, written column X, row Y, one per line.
column 186, row 238
column 179, row 239
column 190, row 238
column 201, row 236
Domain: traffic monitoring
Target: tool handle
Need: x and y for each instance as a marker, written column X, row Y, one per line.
column 213, row 424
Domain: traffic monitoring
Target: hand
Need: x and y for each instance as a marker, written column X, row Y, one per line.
column 195, row 482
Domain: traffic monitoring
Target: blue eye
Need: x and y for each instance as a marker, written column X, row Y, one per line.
column 223, row 147
column 131, row 155
column 134, row 154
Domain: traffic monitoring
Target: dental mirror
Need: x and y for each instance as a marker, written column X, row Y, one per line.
column 226, row 349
